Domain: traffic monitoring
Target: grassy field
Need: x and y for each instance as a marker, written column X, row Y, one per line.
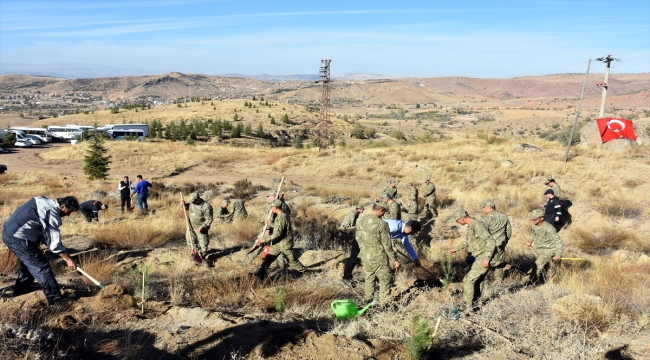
column 587, row 309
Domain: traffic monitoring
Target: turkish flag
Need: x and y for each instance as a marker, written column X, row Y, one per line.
column 615, row 128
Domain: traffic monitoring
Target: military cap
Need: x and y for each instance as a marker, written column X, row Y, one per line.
column 427, row 180
column 548, row 191
column 382, row 204
column 409, row 184
column 276, row 203
column 488, row 203
column 536, row 214
column 459, row 214
column 392, row 182
column 193, row 196
column 549, row 178
column 271, row 194
column 386, row 196
column 359, row 207
column 229, row 197
column 224, row 201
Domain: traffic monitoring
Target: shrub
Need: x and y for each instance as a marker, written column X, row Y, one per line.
column 620, row 208
column 96, row 161
column 604, row 240
column 418, row 342
column 314, row 229
column 244, row 189
column 224, row 292
column 397, row 134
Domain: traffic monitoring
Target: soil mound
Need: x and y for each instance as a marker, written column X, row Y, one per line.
column 113, row 296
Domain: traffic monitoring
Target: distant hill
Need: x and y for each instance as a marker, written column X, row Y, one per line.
column 70, row 70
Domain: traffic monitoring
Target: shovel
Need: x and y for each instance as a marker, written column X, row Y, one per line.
column 194, row 255
column 411, row 260
column 95, row 281
column 347, row 309
column 268, row 217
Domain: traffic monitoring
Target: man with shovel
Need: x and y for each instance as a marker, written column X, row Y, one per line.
column 200, row 215
column 501, row 229
column 279, row 238
column 34, row 222
column 548, row 244
column 400, row 231
column 482, row 245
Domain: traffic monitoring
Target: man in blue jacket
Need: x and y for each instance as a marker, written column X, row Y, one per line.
column 142, row 189
column 34, row 222
column 400, row 230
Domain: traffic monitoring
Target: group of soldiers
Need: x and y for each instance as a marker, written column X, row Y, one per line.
column 486, row 240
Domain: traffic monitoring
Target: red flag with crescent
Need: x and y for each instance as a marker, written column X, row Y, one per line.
column 615, row 128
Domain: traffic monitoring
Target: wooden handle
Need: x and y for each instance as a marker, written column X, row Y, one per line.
column 101, row 286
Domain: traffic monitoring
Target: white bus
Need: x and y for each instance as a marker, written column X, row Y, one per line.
column 64, row 133
column 143, row 127
column 43, row 134
column 123, row 134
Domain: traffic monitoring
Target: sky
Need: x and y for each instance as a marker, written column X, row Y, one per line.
column 488, row 39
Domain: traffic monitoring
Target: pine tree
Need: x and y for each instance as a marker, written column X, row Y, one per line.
column 236, row 131
column 297, row 142
column 285, row 119
column 272, row 120
column 96, row 160
column 248, row 131
column 260, row 131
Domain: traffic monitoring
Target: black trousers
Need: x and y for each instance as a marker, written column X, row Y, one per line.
column 33, row 265
column 352, row 260
column 125, row 201
column 87, row 214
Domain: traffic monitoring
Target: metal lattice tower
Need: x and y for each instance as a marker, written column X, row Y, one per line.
column 323, row 125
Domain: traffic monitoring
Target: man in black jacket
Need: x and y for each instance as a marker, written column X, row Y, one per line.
column 91, row 208
column 125, row 193
column 553, row 210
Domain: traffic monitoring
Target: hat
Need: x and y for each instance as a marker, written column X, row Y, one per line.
column 459, row 214
column 537, row 213
column 549, row 178
column 271, row 194
column 193, row 196
column 359, row 207
column 488, row 203
column 392, row 182
column 383, row 205
column 224, row 201
column 427, row 180
column 409, row 184
column 549, row 191
column 276, row 203
column 386, row 196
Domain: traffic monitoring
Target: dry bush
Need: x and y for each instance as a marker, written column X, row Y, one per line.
column 238, row 233
column 632, row 183
column 603, row 240
column 443, row 201
column 310, row 297
column 138, row 233
column 498, row 180
column 223, row 292
column 9, row 263
column 314, row 229
column 338, row 192
column 245, row 189
column 620, row 208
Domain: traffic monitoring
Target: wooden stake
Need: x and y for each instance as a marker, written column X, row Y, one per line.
column 143, row 292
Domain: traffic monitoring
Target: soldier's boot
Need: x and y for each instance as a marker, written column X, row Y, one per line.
column 498, row 274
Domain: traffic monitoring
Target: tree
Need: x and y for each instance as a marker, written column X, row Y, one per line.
column 285, row 119
column 236, row 131
column 260, row 131
column 9, row 138
column 96, row 160
column 189, row 141
column 248, row 131
column 357, row 132
column 297, row 142
column 272, row 120
column 235, row 118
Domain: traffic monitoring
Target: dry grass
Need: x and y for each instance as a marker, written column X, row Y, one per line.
column 237, row 233
column 98, row 266
column 603, row 240
column 620, row 208
column 9, row 263
column 323, row 191
column 139, row 232
column 225, row 292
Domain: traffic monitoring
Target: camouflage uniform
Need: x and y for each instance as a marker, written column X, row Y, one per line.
column 556, row 190
column 430, row 194
column 238, row 210
column 481, row 244
column 394, row 211
column 499, row 226
column 223, row 215
column 547, row 245
column 413, row 203
column 281, row 242
column 200, row 216
column 392, row 191
column 373, row 236
column 350, row 220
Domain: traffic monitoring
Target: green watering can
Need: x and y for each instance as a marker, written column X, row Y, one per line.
column 347, row 309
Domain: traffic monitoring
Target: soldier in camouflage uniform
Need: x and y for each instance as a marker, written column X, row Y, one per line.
column 412, row 206
column 501, row 230
column 373, row 236
column 394, row 209
column 391, row 189
column 349, row 227
column 279, row 236
column 548, row 244
column 481, row 244
column 430, row 194
column 550, row 182
column 224, row 215
column 238, row 211
column 200, row 214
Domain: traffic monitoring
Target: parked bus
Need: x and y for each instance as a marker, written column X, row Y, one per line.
column 125, row 134
column 143, row 127
column 64, row 133
column 43, row 134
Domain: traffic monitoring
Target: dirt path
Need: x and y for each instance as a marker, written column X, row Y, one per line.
column 25, row 160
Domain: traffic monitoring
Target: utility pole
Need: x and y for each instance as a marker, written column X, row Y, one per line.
column 607, row 60
column 501, row 119
column 575, row 122
column 323, row 125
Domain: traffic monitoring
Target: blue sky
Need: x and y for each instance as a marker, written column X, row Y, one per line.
column 394, row 38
